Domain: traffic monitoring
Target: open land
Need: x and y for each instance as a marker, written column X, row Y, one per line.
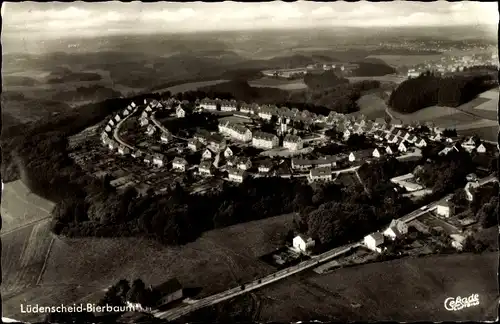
column 220, row 258
column 283, row 84
column 401, row 60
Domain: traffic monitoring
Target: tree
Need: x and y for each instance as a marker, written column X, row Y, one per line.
column 450, row 132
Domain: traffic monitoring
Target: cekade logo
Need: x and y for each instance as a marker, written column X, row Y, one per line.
column 455, row 304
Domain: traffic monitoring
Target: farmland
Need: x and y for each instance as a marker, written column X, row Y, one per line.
column 79, row 269
column 372, row 106
column 409, row 289
column 402, row 60
column 191, row 86
column 267, row 82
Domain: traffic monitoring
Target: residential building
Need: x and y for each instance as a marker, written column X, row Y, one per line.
column 236, row 175
column 117, row 118
column 392, row 139
column 447, row 150
column 228, row 152
column 303, row 243
column 390, row 150
column 378, row 153
column 236, row 131
column 133, row 104
column 436, row 137
column 158, row 160
column 347, row 134
column 320, row 174
column 123, row 150
column 374, row 241
column 179, row 164
column 179, row 112
column 469, row 145
column 194, row 145
column 265, row 166
column 216, row 143
column 165, row 137
column 264, row 140
column 443, row 209
column 108, row 129
column 137, row 153
column 396, row 229
column 170, row 291
column 125, row 113
column 150, row 130
column 402, row 147
column 148, row 159
column 248, row 108
column 481, row 148
column 301, row 164
column 360, row 156
column 228, row 105
column 244, row 164
column 207, row 154
column 208, row 104
column 143, row 121
column 205, row 168
column 232, row 161
column 293, row 142
column 420, row 142
column 111, row 123
column 266, row 112
column 457, row 241
column 112, row 145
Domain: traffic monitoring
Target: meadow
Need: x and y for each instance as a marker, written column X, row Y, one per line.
column 283, row 84
column 402, row 60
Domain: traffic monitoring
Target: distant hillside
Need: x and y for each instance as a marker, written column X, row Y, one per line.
column 15, row 80
column 241, row 90
column 94, row 93
column 367, row 69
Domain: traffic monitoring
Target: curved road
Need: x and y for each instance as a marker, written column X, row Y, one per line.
column 314, row 261
column 117, row 128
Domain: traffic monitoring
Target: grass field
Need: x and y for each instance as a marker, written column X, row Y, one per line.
column 23, row 256
column 400, row 290
column 191, row 86
column 21, row 207
column 372, row 106
column 401, row 60
column 79, row 269
column 283, row 84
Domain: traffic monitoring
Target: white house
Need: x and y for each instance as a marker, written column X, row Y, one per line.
column 303, row 243
column 179, row 164
column 396, row 229
column 112, row 145
column 373, row 241
column 117, row 118
column 236, row 131
column 228, row 105
column 123, row 150
column 447, row 150
column 320, row 174
column 244, row 164
column 392, row 139
column 457, row 241
column 148, row 159
column 111, row 122
column 347, row 134
column 133, row 104
column 420, row 142
column 143, row 121
column 228, row 152
column 469, row 145
column 179, row 112
column 165, row 137
column 481, row 149
column 236, row 175
column 402, row 147
column 248, row 108
column 266, row 113
column 360, row 156
column 150, row 130
column 443, row 209
column 208, row 104
column 207, row 154
column 378, row 153
column 137, row 153
column 158, row 160
column 293, row 142
column 125, row 113
column 389, row 150
column 264, row 140
column 108, row 129
column 436, row 138
column 265, row 166
column 205, row 168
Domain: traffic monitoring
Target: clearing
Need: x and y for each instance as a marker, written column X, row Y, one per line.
column 407, row 60
column 372, row 106
column 190, row 86
column 78, row 270
column 283, row 84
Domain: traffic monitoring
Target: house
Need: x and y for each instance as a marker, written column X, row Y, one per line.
column 205, row 168
column 118, row 118
column 447, row 150
column 194, row 145
column 165, row 137
column 207, row 154
column 347, row 134
column 457, row 241
column 392, row 139
column 420, row 142
column 293, row 142
column 248, row 108
column 244, row 164
column 411, row 139
column 228, row 105
column 216, row 143
column 443, row 209
column 228, row 152
column 137, row 153
column 158, row 160
column 470, row 189
column 378, row 153
column 320, row 174
column 236, row 131
column 374, row 241
column 105, row 139
column 266, row 112
column 360, row 156
column 390, row 150
column 264, row 140
column 265, row 166
column 133, row 104
column 436, row 138
column 143, row 121
column 108, row 129
column 232, row 161
column 208, row 104
column 123, row 150
column 402, row 147
column 301, row 164
column 112, row 145
column 148, row 110
column 111, row 123
column 148, row 159
column 396, row 229
column 469, row 145
column 236, row 175
column 170, row 291
column 150, row 130
column 303, row 243
column 125, row 113
column 481, row 148
column 380, row 121
column 179, row 112
column 179, row 164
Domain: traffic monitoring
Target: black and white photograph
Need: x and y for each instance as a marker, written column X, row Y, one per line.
column 206, row 162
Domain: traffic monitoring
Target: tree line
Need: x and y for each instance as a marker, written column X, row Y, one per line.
column 430, row 90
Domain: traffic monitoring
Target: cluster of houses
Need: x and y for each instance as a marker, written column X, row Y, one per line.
column 107, row 137
column 395, row 230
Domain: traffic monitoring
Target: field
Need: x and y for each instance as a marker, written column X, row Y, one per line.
column 283, row 84
column 372, row 106
column 79, row 269
column 397, row 79
column 191, row 86
column 23, row 257
column 406, row 290
column 20, row 207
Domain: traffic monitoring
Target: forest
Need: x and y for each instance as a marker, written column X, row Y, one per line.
column 429, row 90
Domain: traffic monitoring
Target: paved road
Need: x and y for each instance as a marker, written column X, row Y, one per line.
column 315, row 261
column 117, row 128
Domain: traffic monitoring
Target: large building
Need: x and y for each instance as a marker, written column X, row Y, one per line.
column 293, row 142
column 208, row 104
column 228, row 105
column 264, row 140
column 236, row 131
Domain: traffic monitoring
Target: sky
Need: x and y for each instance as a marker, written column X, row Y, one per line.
column 57, row 19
